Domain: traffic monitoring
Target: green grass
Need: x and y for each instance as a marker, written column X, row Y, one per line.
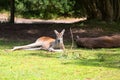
column 80, row 64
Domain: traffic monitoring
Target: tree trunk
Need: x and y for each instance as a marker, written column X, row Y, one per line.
column 116, row 8
column 91, row 8
column 108, row 10
column 12, row 10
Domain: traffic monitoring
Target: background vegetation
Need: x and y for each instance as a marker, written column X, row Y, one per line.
column 41, row 8
column 108, row 10
column 45, row 8
column 4, row 5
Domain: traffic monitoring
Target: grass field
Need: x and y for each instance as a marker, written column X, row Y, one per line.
column 79, row 64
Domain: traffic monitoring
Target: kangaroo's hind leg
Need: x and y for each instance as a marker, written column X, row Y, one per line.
column 29, row 46
column 38, row 48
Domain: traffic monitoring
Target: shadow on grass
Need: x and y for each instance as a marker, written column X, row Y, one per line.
column 103, row 60
column 9, row 44
column 43, row 53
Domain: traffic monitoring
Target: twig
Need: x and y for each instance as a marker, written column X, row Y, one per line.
column 72, row 45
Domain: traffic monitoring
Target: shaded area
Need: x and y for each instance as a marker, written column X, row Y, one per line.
column 43, row 53
column 31, row 32
column 102, row 60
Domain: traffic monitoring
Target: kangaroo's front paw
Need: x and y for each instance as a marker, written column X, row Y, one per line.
column 51, row 50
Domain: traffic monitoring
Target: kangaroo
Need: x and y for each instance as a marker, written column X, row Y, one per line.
column 45, row 43
column 99, row 42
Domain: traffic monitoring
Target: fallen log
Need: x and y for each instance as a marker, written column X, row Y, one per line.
column 99, row 42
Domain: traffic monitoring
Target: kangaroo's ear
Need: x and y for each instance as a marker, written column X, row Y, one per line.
column 56, row 32
column 63, row 31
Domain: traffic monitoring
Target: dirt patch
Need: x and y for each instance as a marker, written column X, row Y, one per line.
column 69, row 20
column 4, row 17
column 32, row 31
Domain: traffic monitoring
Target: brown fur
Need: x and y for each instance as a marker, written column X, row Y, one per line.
column 47, row 41
column 99, row 42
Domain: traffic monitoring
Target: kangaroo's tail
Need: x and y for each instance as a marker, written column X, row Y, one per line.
column 27, row 47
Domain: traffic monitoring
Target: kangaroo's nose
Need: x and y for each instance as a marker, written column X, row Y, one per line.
column 58, row 40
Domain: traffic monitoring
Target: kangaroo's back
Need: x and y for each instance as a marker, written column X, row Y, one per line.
column 45, row 41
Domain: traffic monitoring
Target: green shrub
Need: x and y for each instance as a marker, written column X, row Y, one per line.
column 4, row 4
column 44, row 8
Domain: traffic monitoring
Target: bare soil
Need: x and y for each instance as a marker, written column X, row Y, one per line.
column 31, row 29
column 31, row 32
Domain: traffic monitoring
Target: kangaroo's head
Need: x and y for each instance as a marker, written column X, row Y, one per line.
column 59, row 36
